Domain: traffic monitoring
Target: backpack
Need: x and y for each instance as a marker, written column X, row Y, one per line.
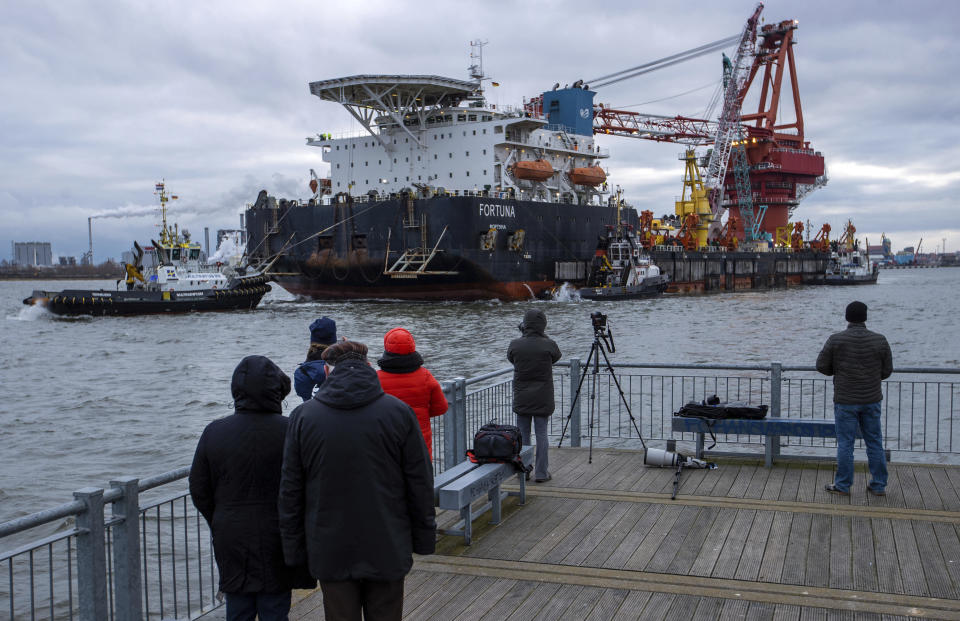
column 498, row 444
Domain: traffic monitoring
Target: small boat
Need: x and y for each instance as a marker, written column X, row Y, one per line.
column 173, row 279
column 588, row 175
column 851, row 267
column 533, row 170
column 621, row 270
column 849, row 262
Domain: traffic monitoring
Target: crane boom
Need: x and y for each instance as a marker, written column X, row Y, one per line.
column 729, row 121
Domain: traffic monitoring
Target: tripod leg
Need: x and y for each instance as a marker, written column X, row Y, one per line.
column 676, row 481
column 576, row 396
column 623, row 398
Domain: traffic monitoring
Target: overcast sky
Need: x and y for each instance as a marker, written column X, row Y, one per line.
column 101, row 99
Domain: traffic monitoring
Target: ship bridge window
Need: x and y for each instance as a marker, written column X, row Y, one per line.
column 498, row 129
column 461, row 117
column 175, row 254
column 472, row 117
column 195, row 253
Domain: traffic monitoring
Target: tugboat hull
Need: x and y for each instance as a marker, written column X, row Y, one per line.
column 73, row 302
column 649, row 288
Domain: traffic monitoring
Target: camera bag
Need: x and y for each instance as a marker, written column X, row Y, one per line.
column 495, row 443
column 712, row 409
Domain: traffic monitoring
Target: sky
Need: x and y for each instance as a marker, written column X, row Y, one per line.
column 99, row 100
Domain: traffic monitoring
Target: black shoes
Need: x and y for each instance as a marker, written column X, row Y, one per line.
column 543, row 480
column 874, row 492
column 833, row 489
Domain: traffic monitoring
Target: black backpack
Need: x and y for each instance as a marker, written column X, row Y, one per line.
column 495, row 443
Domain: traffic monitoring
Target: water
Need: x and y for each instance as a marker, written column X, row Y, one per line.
column 83, row 400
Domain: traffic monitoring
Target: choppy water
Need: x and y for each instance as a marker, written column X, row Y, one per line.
column 83, row 400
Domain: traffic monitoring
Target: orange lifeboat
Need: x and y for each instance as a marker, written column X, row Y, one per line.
column 535, row 170
column 591, row 175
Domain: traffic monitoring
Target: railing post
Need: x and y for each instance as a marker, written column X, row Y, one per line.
column 776, row 383
column 126, row 551
column 460, row 409
column 575, row 405
column 450, row 426
column 91, row 556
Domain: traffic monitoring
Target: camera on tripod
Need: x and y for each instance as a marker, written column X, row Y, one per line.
column 599, row 321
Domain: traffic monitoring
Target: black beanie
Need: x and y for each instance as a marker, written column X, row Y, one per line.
column 856, row 312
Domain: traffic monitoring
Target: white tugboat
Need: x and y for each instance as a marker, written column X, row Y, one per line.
column 173, row 279
column 849, row 262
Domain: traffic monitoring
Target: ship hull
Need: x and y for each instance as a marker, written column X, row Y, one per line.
column 76, row 302
column 843, row 281
column 473, row 248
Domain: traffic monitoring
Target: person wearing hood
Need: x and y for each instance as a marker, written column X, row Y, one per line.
column 235, row 483
column 859, row 360
column 402, row 375
column 356, row 493
column 533, row 356
column 311, row 372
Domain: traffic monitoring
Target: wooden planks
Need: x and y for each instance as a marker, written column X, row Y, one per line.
column 743, row 534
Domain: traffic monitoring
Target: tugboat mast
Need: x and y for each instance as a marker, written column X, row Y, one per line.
column 168, row 237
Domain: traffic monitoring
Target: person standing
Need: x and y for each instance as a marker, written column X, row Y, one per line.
column 402, row 375
column 235, row 482
column 533, row 356
column 859, row 360
column 356, row 493
column 311, row 372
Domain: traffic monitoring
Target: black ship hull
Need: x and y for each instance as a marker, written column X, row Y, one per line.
column 843, row 281
column 651, row 287
column 102, row 302
column 470, row 248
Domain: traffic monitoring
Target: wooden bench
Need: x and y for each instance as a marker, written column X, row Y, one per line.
column 458, row 487
column 770, row 428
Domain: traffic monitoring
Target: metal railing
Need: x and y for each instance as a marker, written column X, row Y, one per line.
column 149, row 561
column 920, row 405
column 152, row 558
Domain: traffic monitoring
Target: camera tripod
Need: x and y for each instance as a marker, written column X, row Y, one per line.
column 601, row 343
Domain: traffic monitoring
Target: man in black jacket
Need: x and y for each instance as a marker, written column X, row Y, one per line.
column 858, row 360
column 356, row 495
column 532, row 356
column 235, row 482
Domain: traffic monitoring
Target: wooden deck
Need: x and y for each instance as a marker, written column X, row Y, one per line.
column 604, row 541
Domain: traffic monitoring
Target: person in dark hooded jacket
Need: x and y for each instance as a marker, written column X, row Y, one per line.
column 532, row 356
column 356, row 494
column 312, row 371
column 235, row 483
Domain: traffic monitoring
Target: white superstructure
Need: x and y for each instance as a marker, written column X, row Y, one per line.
column 439, row 135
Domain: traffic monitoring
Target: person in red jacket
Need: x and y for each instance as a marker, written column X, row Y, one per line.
column 403, row 376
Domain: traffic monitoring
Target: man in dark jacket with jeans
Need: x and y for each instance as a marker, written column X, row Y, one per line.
column 235, row 482
column 858, row 360
column 533, row 355
column 356, row 495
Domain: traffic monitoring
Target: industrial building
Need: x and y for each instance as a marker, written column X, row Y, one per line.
column 32, row 253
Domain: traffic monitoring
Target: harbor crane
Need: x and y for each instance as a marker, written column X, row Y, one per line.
column 773, row 165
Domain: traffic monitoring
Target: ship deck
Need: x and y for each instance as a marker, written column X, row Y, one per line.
column 604, row 541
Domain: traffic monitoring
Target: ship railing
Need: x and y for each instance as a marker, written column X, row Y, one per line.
column 139, row 550
column 149, row 556
column 919, row 407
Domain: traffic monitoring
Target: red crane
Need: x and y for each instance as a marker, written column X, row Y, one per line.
column 783, row 168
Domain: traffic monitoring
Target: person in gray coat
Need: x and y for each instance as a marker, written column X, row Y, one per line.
column 858, row 360
column 532, row 356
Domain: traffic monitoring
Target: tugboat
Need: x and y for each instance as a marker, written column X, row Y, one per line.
column 172, row 280
column 849, row 262
column 621, row 268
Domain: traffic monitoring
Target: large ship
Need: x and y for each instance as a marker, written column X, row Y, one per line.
column 445, row 196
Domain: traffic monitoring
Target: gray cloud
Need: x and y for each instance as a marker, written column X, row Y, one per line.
column 100, row 100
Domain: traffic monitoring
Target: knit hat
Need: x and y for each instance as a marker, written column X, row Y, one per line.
column 856, row 312
column 323, row 331
column 399, row 341
column 345, row 350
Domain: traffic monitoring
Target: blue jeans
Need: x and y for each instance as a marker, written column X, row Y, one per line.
column 867, row 418
column 247, row 606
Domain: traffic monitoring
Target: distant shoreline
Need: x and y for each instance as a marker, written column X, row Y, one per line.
column 111, row 272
